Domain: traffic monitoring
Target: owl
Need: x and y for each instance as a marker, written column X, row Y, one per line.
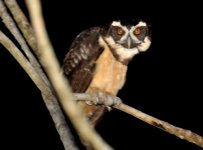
column 97, row 61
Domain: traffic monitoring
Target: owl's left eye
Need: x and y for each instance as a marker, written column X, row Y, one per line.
column 120, row 31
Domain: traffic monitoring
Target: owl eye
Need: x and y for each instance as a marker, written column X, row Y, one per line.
column 137, row 31
column 120, row 31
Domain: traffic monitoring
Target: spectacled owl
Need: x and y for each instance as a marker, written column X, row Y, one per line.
column 97, row 60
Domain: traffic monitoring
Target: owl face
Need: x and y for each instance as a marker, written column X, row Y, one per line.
column 128, row 40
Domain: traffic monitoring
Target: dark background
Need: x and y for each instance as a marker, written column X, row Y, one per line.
column 165, row 82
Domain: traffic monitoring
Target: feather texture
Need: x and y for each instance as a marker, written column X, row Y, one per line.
column 79, row 62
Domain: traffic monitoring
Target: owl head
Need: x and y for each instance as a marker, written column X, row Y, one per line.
column 127, row 40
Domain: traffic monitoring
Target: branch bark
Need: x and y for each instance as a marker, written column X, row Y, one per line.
column 22, row 23
column 33, row 69
column 60, row 84
column 177, row 131
column 10, row 24
column 49, row 98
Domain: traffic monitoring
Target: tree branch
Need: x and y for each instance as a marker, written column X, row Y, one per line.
column 179, row 132
column 22, row 23
column 49, row 98
column 38, row 77
column 36, row 74
column 10, row 24
column 22, row 60
column 60, row 84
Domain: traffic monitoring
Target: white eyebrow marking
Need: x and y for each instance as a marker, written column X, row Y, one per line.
column 141, row 23
column 116, row 23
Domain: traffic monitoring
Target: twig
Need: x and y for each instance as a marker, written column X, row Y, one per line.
column 10, row 24
column 49, row 98
column 22, row 23
column 179, row 132
column 60, row 84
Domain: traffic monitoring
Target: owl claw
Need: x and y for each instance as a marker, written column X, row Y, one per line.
column 111, row 100
column 103, row 98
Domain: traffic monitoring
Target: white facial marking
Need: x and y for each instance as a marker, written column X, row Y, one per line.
column 125, row 36
column 124, row 53
column 116, row 23
column 129, row 32
column 144, row 45
column 141, row 23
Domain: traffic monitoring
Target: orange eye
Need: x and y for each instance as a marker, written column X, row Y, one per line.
column 137, row 31
column 120, row 31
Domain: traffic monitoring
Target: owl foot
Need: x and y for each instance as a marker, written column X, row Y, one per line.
column 101, row 97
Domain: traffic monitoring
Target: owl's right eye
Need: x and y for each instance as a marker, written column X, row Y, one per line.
column 120, row 31
column 137, row 31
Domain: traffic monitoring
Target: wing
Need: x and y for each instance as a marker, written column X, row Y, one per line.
column 79, row 62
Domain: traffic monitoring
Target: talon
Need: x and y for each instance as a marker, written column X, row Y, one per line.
column 103, row 98
column 108, row 100
column 96, row 99
column 89, row 102
column 112, row 101
column 108, row 108
column 117, row 101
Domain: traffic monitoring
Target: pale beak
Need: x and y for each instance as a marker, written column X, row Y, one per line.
column 129, row 42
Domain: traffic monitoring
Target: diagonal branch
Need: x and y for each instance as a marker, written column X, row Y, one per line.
column 22, row 23
column 60, row 84
column 10, row 24
column 49, row 98
column 37, row 75
column 179, row 132
column 21, row 59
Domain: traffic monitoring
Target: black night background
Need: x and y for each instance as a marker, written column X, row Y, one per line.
column 165, row 82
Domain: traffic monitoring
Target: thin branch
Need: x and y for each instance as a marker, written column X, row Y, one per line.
column 21, row 59
column 60, row 84
column 179, row 132
column 10, row 24
column 49, row 98
column 38, row 76
column 22, row 23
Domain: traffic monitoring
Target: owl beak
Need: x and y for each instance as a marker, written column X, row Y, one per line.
column 129, row 42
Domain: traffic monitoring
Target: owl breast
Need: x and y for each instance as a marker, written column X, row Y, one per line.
column 110, row 74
